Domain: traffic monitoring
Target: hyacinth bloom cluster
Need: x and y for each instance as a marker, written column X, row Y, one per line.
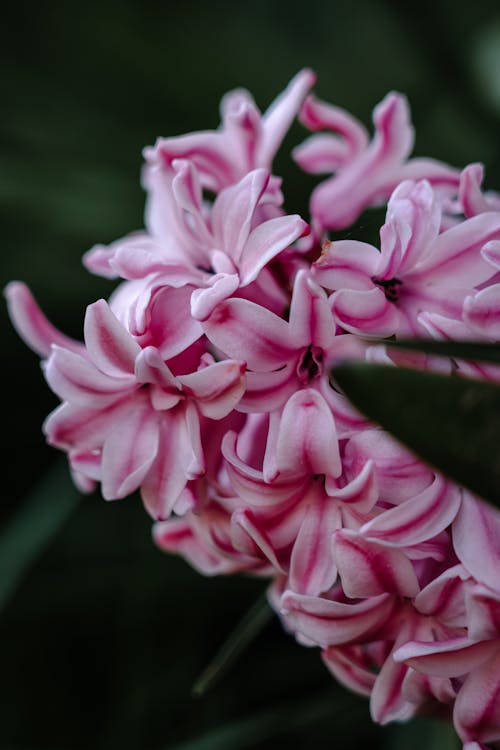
column 204, row 383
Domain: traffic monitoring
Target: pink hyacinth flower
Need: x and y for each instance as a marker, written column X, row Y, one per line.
column 418, row 269
column 246, row 139
column 215, row 250
column 365, row 173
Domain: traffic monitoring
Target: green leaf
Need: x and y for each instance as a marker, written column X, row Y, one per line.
column 244, row 633
column 423, row 732
column 453, row 423
column 38, row 520
column 249, row 732
column 477, row 351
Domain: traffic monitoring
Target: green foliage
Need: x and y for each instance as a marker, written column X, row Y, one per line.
column 453, row 423
column 244, row 633
column 33, row 527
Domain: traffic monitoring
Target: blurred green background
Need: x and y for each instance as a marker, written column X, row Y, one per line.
column 103, row 636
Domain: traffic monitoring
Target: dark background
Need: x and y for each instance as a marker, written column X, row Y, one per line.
column 104, row 636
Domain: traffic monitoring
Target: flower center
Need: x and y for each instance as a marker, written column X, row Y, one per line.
column 310, row 365
column 390, row 287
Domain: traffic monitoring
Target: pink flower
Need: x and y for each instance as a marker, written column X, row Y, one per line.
column 205, row 383
column 122, row 433
column 417, row 269
column 216, row 250
column 245, row 141
column 365, row 174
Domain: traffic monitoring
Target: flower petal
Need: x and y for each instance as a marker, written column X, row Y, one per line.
column 365, row 312
column 111, row 347
column 367, row 568
column 477, row 709
column 251, row 334
column 78, row 381
column 307, row 440
column 476, row 539
column 128, row 452
column 419, row 518
column 330, row 623
column 32, row 325
column 266, row 241
column 346, row 264
column 216, row 388
column 451, row 658
column 312, row 567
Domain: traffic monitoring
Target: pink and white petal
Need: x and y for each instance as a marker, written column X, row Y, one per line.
column 318, row 115
column 168, row 475
column 32, row 325
column 171, row 328
column 367, row 568
column 87, row 464
column 129, row 451
column 476, row 540
column 150, row 368
column 307, row 440
column 78, row 381
column 365, row 312
column 266, row 241
column 483, row 613
column 178, row 536
column 415, row 214
column 476, row 715
column 139, row 257
column 444, row 597
column 207, row 150
column 418, row 519
column 205, row 299
column 469, row 192
column 242, row 130
column 97, row 261
column 388, row 702
column 187, row 191
column 217, row 388
column 312, row 566
column 361, row 492
column 337, row 202
column 311, row 320
column 482, row 312
column 268, row 391
column 348, row 421
column 281, row 113
column 346, row 264
column 394, row 133
column 195, row 466
column 331, row 623
column 71, row 426
column 348, row 668
column 110, row 346
column 233, row 213
column 249, row 483
column 491, row 253
column 400, row 475
column 252, row 539
column 454, row 657
column 251, row 333
column 443, row 178
column 455, row 260
column 322, row 153
column 418, row 688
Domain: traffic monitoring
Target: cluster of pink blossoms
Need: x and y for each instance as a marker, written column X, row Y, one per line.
column 204, row 383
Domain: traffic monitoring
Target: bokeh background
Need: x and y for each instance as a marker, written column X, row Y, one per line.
column 102, row 636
